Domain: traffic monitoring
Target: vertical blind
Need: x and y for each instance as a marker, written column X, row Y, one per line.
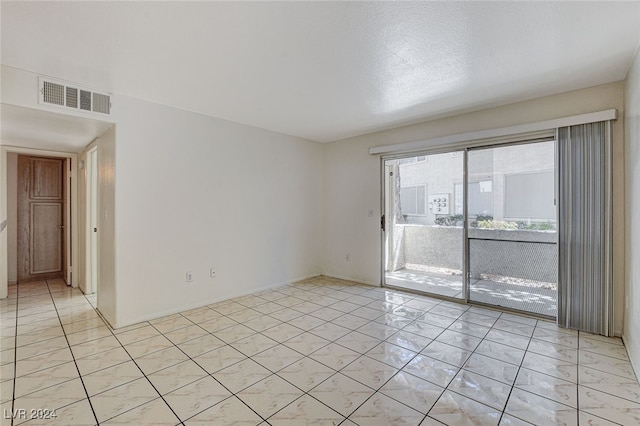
column 585, row 281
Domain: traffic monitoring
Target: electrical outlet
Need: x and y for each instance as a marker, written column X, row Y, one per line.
column 348, row 257
column 212, row 272
column 189, row 276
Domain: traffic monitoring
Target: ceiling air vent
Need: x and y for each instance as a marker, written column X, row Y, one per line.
column 72, row 96
column 85, row 100
column 53, row 93
column 101, row 103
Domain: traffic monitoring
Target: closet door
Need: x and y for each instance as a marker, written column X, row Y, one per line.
column 40, row 218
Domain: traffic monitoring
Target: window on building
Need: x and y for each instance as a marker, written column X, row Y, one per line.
column 480, row 198
column 413, row 199
column 530, row 196
column 410, row 160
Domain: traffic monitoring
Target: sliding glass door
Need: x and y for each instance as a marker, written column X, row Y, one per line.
column 512, row 238
column 503, row 254
column 424, row 223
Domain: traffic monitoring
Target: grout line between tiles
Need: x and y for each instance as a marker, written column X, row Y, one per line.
column 504, row 409
column 375, row 391
column 293, row 293
column 461, row 368
column 15, row 356
column 72, row 355
column 207, row 373
column 275, row 373
column 145, row 376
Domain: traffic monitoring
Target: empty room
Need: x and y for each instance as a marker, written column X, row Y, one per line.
column 327, row 213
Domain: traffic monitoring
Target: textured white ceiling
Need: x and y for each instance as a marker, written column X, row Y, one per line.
column 325, row 70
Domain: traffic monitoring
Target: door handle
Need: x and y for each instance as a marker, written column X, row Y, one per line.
column 95, row 229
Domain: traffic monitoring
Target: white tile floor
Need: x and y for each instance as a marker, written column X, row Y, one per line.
column 323, row 351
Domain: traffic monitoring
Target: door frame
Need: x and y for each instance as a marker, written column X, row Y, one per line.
column 385, row 189
column 464, row 148
column 71, row 211
column 91, row 202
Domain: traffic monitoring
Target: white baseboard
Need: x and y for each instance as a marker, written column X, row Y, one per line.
column 175, row 310
column 353, row 280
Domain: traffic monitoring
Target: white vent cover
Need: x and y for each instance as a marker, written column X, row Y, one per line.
column 67, row 95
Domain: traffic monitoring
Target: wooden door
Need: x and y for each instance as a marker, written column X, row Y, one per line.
column 40, row 218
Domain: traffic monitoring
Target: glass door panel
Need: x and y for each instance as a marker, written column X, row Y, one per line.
column 424, row 210
column 512, row 239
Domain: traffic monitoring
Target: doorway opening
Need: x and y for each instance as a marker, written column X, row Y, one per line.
column 47, row 228
column 476, row 224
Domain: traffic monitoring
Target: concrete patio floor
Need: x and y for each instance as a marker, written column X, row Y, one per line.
column 536, row 300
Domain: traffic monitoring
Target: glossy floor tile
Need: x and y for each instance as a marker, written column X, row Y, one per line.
column 322, row 351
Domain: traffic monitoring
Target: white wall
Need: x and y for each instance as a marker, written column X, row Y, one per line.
column 632, row 156
column 12, row 217
column 182, row 191
column 352, row 179
column 194, row 192
column 3, row 231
